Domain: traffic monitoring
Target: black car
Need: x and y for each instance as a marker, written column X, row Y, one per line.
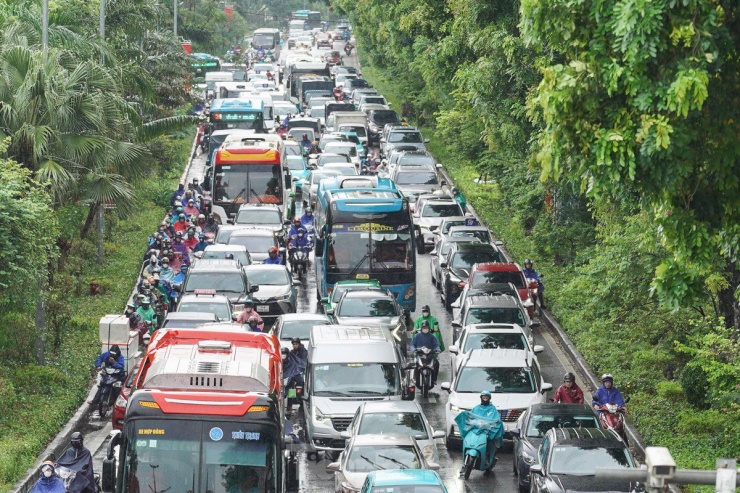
column 377, row 119
column 456, row 267
column 568, row 458
column 534, row 424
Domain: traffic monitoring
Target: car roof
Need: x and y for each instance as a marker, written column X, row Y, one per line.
column 317, row 317
column 252, row 267
column 551, row 408
column 491, row 328
column 197, row 316
column 492, row 300
column 497, row 267
column 357, row 282
column 258, row 206
column 201, row 298
column 585, row 437
column 496, row 358
column 252, row 232
column 399, row 477
column 220, row 247
column 215, row 265
column 473, row 246
column 468, row 228
column 371, row 293
column 385, row 439
column 391, row 406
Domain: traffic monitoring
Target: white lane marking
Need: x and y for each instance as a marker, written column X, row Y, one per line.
column 432, row 399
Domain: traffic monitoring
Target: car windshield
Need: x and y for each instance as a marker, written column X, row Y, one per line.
column 481, row 234
column 441, row 210
column 317, row 177
column 254, row 244
column 583, row 461
column 239, row 255
column 401, row 423
column 346, row 169
column 185, row 324
column 539, row 423
column 417, row 178
column 355, row 379
column 348, row 149
column 358, row 83
column 504, row 340
column 268, row 277
column 223, row 282
column 259, row 216
column 295, row 163
column 339, row 290
column 516, row 380
column 380, row 252
column 299, row 328
column 358, row 129
column 317, row 112
column 373, row 100
column 366, row 458
column 406, row 137
column 337, row 158
column 220, row 309
column 364, row 307
column 416, row 159
column 383, row 117
column 491, row 315
column 293, row 150
column 465, row 260
column 409, row 488
column 480, row 279
column 445, row 228
column 198, row 455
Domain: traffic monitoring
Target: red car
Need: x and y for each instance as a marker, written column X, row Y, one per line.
column 503, row 273
column 119, row 408
column 333, row 58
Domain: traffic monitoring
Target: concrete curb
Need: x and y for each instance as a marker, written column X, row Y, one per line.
column 60, row 443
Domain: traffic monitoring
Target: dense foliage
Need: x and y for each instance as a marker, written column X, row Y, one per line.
column 609, row 134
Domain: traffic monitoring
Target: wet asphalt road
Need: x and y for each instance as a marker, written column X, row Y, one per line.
column 314, row 477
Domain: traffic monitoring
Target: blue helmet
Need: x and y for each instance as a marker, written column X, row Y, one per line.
column 486, row 393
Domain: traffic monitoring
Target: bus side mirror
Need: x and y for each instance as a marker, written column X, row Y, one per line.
column 108, row 476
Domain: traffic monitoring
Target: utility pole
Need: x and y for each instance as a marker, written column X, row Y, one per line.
column 102, row 20
column 101, row 208
column 174, row 8
column 45, row 24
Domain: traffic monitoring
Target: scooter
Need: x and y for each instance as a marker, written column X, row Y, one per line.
column 611, row 417
column 294, row 393
column 476, row 431
column 424, row 374
column 533, row 287
column 111, row 380
column 299, row 260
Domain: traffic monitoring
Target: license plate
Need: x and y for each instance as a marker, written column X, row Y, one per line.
column 263, row 308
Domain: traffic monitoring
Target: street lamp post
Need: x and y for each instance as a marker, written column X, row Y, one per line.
column 102, row 20
column 175, row 14
column 45, row 24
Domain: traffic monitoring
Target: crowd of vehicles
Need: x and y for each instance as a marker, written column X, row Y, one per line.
column 337, row 187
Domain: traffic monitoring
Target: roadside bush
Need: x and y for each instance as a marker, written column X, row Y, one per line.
column 670, row 391
column 34, row 379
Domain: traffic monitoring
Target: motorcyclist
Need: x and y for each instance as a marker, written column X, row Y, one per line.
column 180, row 277
column 294, row 364
column 196, row 188
column 146, row 311
column 306, row 143
column 459, row 198
column 487, row 410
column 191, row 240
column 426, row 315
column 109, row 359
column 49, row 481
column 530, row 273
column 307, row 218
column 182, row 223
column 272, row 257
column 248, row 311
column 569, row 392
column 202, row 243
column 315, row 148
column 149, row 269
column 299, row 351
column 607, row 393
column 255, row 323
column 348, row 47
column 426, row 339
column 175, row 216
column 299, row 240
column 191, row 209
column 79, row 459
column 295, row 226
column 166, row 273
column 180, row 192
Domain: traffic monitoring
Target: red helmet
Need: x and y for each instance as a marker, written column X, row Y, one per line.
column 272, row 250
column 296, row 220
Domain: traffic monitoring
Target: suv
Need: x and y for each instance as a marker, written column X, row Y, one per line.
column 439, row 254
column 372, row 308
column 513, row 377
column 568, row 458
column 492, row 336
column 267, row 216
column 415, row 180
column 500, row 272
column 405, row 136
column 491, row 309
column 277, row 290
column 456, row 267
column 257, row 241
column 427, row 217
column 346, row 367
column 377, row 119
column 224, row 277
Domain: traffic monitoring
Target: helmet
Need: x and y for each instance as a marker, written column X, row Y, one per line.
column 607, row 377
column 248, row 303
column 301, row 231
column 285, row 350
column 485, row 393
column 145, row 285
column 569, row 377
column 425, row 324
column 181, row 216
column 179, row 209
column 134, row 319
column 295, row 340
column 296, row 220
column 528, row 262
column 201, row 216
column 146, row 301
column 202, row 236
column 309, row 210
column 76, row 439
column 184, row 267
column 272, row 250
column 425, row 308
column 115, row 350
column 454, row 190
column 191, row 232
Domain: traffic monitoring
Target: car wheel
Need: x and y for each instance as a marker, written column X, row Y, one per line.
column 522, row 487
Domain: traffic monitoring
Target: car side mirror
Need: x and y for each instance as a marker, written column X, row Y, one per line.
column 538, row 349
column 333, row 467
column 330, row 311
column 514, row 432
column 438, row 434
column 535, row 469
column 445, row 386
column 456, row 325
column 454, row 349
column 535, row 325
column 296, row 282
column 254, row 289
column 546, row 387
column 498, row 243
column 426, row 141
column 345, row 434
column 433, row 466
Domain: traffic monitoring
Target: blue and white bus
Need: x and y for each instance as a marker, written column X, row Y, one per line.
column 366, row 233
column 245, row 114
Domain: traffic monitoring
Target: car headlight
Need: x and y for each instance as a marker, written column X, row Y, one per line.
column 318, row 417
column 528, row 458
column 454, row 408
column 348, row 488
column 428, row 453
column 121, row 402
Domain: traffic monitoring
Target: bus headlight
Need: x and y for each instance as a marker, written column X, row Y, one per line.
column 409, row 293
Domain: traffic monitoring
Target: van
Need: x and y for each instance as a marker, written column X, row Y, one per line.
column 337, row 118
column 346, row 367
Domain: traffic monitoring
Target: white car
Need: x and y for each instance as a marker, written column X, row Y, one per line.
column 512, row 376
column 347, row 148
column 491, row 336
column 430, row 215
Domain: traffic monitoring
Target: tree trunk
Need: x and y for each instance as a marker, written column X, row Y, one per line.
column 41, row 322
column 89, row 220
column 728, row 303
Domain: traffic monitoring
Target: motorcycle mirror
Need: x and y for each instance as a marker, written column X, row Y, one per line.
column 626, row 399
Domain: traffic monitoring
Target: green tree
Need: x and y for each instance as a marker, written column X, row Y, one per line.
column 644, row 109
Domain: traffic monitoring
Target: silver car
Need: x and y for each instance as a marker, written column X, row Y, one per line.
column 291, row 325
column 429, row 216
column 439, row 254
column 366, row 453
column 396, row 417
column 276, row 293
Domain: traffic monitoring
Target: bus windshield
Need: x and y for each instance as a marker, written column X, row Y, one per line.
column 265, row 40
column 198, row 456
column 358, row 251
column 251, row 120
column 253, row 183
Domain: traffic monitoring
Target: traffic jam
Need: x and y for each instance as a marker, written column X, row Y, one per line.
column 322, row 310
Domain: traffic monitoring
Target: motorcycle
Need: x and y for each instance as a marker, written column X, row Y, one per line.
column 299, row 260
column 424, row 373
column 476, row 431
column 111, row 380
column 533, row 287
column 348, row 49
column 611, row 417
column 294, row 392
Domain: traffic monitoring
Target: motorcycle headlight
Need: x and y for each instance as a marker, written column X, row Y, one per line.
column 121, row 402
column 528, row 458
